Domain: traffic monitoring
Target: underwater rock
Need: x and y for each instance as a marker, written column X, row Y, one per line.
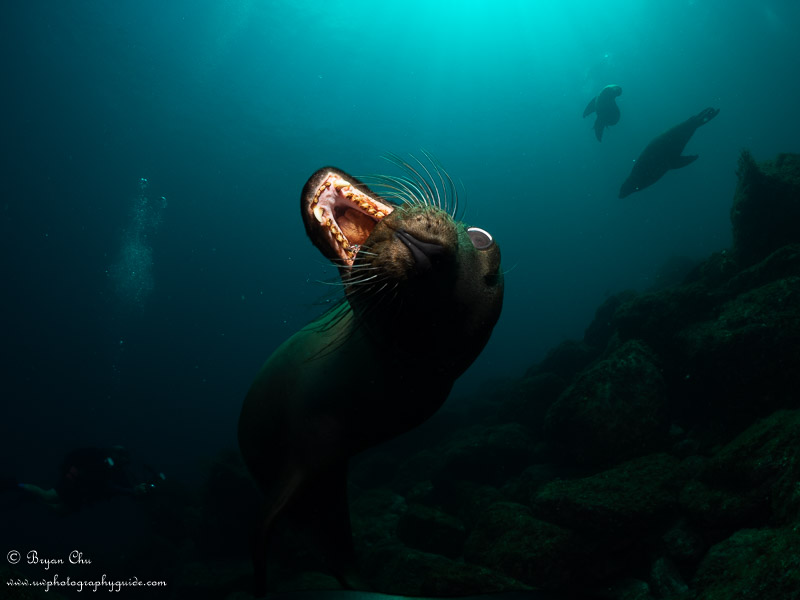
column 375, row 514
column 415, row 470
column 784, row 262
column 508, row 539
column 743, row 364
column 616, row 507
column 764, row 461
column 682, row 543
column 602, row 326
column 522, row 489
column 655, row 317
column 766, row 206
column 465, row 499
column 718, row 511
column 430, row 530
column 396, row 569
column 488, row 455
column 612, row 412
column 713, row 272
column 753, row 564
column 629, row 589
column 666, row 579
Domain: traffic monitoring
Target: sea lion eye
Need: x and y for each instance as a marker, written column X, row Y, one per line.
column 480, row 238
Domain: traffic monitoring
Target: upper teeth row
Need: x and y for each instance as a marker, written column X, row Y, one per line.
column 350, row 193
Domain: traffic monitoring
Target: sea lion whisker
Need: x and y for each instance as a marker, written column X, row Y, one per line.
column 402, row 194
column 349, row 282
column 418, row 179
column 444, row 179
column 451, row 185
column 365, row 287
column 431, row 179
column 511, row 268
column 362, row 280
column 408, row 192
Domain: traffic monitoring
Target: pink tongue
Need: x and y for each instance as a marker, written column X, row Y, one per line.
column 355, row 226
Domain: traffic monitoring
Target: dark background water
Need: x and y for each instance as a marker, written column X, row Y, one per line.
column 227, row 108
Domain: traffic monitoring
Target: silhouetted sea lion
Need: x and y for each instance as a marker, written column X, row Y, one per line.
column 605, row 106
column 664, row 153
column 422, row 294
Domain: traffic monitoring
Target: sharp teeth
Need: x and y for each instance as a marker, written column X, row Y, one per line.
column 329, row 223
column 379, row 214
column 318, row 213
column 340, row 183
column 371, row 210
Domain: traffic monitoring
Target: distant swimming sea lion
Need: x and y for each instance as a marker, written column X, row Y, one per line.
column 664, row 153
column 422, row 294
column 605, row 105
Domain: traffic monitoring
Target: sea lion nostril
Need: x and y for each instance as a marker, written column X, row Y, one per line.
column 424, row 253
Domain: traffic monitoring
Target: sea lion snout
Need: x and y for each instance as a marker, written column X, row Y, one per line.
column 425, row 254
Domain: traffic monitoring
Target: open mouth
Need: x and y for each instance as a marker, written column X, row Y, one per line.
column 346, row 215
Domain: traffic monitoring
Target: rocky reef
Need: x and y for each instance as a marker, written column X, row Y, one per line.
column 657, row 458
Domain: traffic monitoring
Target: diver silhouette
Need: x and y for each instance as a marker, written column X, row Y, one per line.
column 88, row 475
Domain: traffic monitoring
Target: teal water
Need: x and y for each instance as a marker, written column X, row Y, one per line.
column 227, row 107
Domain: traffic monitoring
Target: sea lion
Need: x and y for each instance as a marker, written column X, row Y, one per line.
column 422, row 293
column 605, row 106
column 664, row 153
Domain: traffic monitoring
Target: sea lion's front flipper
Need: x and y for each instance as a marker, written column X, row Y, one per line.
column 706, row 115
column 589, row 107
column 322, row 506
column 682, row 161
column 286, row 492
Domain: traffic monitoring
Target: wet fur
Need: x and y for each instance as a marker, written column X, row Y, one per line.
column 378, row 365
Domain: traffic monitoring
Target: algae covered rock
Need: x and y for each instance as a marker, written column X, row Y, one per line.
column 617, row 506
column 602, row 327
column 743, row 364
column 396, row 569
column 508, row 539
column 766, row 206
column 431, row 530
column 613, row 411
column 764, row 460
column 753, row 564
column 488, row 455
